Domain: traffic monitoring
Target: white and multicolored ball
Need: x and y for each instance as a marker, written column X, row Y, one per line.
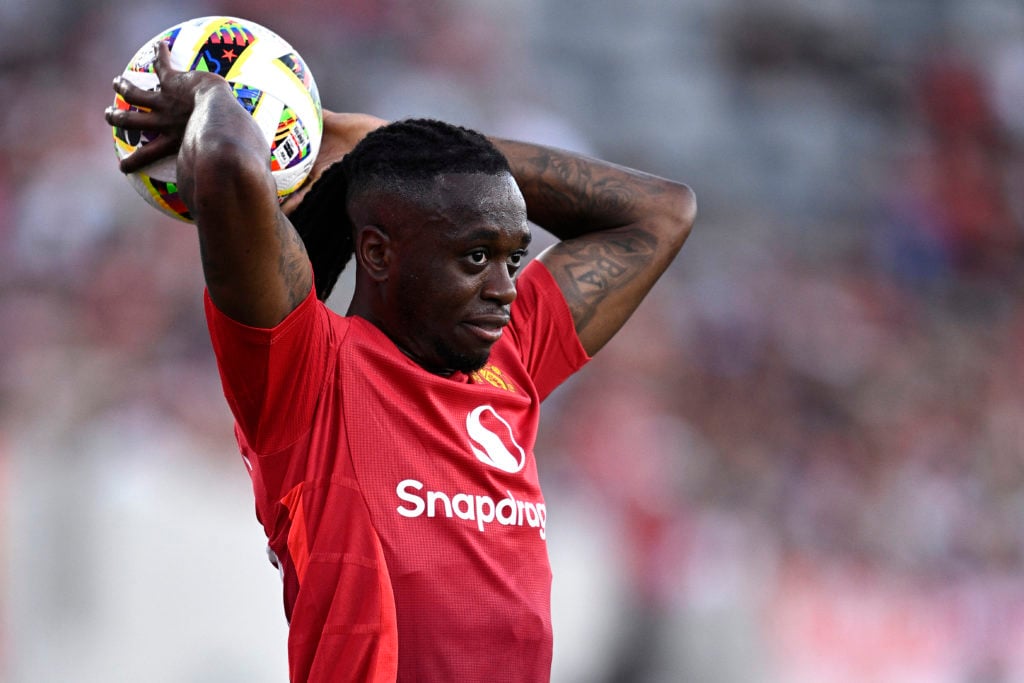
column 270, row 80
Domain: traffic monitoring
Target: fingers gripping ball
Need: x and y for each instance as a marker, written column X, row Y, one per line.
column 269, row 79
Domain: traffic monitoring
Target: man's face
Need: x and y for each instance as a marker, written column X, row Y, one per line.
column 452, row 281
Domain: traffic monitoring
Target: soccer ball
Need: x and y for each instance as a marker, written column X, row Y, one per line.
column 269, row 79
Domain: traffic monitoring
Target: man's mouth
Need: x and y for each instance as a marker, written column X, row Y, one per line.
column 488, row 328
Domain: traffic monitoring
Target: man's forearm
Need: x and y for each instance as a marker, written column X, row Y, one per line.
column 570, row 194
column 255, row 265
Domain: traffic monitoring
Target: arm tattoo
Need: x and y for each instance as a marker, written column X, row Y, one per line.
column 291, row 263
column 570, row 196
column 593, row 269
column 619, row 228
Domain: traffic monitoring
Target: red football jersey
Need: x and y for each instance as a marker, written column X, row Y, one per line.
column 402, row 508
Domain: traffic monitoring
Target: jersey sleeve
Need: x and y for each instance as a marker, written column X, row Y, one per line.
column 545, row 331
column 273, row 377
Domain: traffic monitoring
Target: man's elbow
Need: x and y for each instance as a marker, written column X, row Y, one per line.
column 680, row 214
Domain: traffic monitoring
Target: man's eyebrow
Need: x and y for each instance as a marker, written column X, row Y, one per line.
column 485, row 234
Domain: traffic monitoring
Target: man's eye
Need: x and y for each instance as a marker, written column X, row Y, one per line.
column 516, row 259
column 477, row 258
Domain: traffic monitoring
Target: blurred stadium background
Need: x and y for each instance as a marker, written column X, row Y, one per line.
column 802, row 461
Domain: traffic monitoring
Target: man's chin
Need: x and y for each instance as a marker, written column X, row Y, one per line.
column 467, row 363
column 471, row 367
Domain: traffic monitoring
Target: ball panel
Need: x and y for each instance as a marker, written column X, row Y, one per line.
column 160, row 193
column 291, row 142
column 293, row 62
column 224, row 48
column 125, row 140
column 250, row 98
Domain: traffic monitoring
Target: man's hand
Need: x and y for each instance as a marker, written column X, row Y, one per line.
column 170, row 107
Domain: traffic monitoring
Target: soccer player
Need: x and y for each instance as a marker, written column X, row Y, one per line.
column 391, row 449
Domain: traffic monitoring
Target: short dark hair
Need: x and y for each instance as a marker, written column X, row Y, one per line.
column 397, row 157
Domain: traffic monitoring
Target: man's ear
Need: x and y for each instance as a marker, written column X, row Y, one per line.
column 374, row 251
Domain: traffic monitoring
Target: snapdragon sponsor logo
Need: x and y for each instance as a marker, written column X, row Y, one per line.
column 482, row 509
column 492, row 448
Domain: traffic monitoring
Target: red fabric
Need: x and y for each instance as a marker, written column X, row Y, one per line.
column 404, row 508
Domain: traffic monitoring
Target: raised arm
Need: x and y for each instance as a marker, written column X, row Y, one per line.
column 255, row 265
column 619, row 230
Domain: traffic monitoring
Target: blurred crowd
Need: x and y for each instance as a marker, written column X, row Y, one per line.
column 802, row 460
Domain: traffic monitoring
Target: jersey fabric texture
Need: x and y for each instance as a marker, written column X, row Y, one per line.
column 402, row 508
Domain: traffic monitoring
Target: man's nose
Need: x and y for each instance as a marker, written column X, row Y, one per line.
column 500, row 285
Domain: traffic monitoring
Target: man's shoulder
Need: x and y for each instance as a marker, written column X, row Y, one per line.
column 534, row 285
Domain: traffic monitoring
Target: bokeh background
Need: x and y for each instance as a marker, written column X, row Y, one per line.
column 801, row 461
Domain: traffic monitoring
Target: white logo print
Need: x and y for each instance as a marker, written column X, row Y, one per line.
column 500, row 451
column 484, row 510
column 492, row 449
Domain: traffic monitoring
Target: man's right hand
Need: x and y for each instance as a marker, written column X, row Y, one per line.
column 168, row 108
